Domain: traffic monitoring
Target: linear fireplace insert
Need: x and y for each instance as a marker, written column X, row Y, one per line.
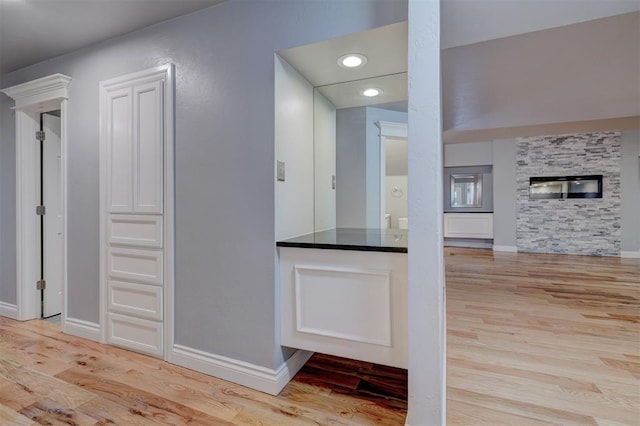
column 588, row 186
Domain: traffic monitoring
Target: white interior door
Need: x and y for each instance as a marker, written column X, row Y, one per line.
column 52, row 194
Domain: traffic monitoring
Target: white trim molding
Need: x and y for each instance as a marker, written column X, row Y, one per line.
column 81, row 328
column 630, row 254
column 256, row 377
column 509, row 249
column 43, row 94
column 8, row 310
column 392, row 129
column 32, row 98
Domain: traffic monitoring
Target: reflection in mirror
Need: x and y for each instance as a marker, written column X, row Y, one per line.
column 359, row 173
column 466, row 190
column 350, row 143
column 394, row 173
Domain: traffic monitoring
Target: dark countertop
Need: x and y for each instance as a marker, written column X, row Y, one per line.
column 385, row 240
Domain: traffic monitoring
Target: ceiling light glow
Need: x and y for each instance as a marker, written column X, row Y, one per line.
column 352, row 60
column 371, row 92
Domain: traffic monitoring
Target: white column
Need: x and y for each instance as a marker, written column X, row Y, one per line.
column 427, row 338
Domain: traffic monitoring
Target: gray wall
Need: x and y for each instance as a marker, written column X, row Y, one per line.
column 630, row 190
column 468, row 154
column 351, row 168
column 225, row 293
column 585, row 71
column 504, row 192
column 7, row 205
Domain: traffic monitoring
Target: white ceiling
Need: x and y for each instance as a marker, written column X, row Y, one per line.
column 386, row 67
column 385, row 49
column 472, row 21
column 35, row 30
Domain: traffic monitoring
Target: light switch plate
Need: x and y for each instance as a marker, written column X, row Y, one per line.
column 280, row 172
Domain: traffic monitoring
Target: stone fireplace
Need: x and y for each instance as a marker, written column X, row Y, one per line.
column 556, row 224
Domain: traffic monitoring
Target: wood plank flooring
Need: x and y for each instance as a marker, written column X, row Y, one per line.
column 539, row 339
column 532, row 339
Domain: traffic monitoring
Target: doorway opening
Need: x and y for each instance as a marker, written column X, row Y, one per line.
column 32, row 99
column 50, row 215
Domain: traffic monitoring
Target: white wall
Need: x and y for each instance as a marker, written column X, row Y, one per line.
column 427, row 319
column 468, row 154
column 397, row 207
column 324, row 144
column 630, row 192
column 395, row 161
column 293, row 145
column 504, row 194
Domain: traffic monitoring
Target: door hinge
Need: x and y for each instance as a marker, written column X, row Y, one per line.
column 41, row 285
column 40, row 210
column 40, row 135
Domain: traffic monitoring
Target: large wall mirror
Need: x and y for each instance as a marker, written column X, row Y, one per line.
column 359, row 127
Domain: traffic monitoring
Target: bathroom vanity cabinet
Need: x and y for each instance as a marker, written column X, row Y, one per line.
column 343, row 292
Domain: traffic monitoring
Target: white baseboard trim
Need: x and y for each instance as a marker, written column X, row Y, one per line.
column 290, row 367
column 630, row 254
column 510, row 249
column 9, row 310
column 81, row 328
column 243, row 373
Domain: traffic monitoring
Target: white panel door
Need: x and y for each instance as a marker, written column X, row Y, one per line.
column 148, row 136
column 52, row 191
column 120, row 151
column 136, row 235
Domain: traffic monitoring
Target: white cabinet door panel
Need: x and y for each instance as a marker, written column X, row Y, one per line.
column 134, row 333
column 141, row 300
column 135, row 230
column 135, row 265
column 468, row 225
column 351, row 304
column 120, row 151
column 148, row 134
column 360, row 301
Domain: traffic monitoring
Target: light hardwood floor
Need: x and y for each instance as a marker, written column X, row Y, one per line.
column 535, row 339
column 532, row 339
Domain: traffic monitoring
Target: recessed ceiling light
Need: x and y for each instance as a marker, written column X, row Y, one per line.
column 371, row 92
column 352, row 60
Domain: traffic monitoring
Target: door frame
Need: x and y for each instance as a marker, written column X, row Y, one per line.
column 32, row 98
